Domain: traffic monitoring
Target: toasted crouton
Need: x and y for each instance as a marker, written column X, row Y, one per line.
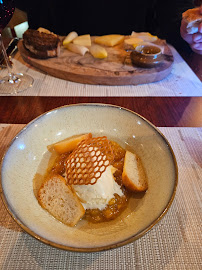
column 60, row 201
column 134, row 177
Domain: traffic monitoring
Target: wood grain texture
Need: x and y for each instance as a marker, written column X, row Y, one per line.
column 162, row 112
column 116, row 69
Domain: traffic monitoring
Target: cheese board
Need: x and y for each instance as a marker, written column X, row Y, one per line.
column 116, row 69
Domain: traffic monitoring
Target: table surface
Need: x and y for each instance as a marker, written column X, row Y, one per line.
column 166, row 111
column 179, row 118
column 194, row 61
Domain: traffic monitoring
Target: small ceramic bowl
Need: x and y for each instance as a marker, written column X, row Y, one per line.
column 27, row 156
column 146, row 55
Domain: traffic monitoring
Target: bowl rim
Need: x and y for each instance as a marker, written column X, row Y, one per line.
column 108, row 246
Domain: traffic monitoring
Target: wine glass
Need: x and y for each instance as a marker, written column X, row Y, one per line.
column 13, row 83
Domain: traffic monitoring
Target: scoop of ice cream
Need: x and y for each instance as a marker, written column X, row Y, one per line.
column 99, row 194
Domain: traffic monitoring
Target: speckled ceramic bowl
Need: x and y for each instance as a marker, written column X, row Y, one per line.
column 28, row 155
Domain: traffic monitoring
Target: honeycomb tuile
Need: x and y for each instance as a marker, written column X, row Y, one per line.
column 88, row 161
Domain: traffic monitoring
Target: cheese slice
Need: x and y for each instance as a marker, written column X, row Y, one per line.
column 147, row 37
column 109, row 40
column 98, row 51
column 83, row 40
column 131, row 41
column 72, row 35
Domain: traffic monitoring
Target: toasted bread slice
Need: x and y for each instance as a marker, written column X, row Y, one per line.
column 60, row 201
column 193, row 18
column 40, row 44
column 69, row 144
column 134, row 177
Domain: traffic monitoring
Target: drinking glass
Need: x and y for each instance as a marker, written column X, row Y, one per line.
column 13, row 83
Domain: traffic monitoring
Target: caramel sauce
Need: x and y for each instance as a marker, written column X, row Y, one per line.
column 150, row 50
column 115, row 206
column 59, row 165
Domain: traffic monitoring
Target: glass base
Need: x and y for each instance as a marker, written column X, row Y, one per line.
column 15, row 83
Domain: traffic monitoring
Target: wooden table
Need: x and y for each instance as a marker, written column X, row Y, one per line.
column 166, row 111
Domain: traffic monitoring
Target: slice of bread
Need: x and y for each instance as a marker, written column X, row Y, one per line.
column 133, row 176
column 193, row 18
column 41, row 45
column 69, row 144
column 60, row 201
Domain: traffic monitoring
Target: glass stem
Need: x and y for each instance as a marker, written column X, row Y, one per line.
column 12, row 77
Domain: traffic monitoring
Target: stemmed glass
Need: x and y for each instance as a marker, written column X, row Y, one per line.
column 13, row 83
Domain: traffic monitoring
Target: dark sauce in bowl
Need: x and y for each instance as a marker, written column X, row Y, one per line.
column 150, row 50
column 146, row 56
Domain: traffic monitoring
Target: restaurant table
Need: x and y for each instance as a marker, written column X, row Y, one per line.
column 174, row 105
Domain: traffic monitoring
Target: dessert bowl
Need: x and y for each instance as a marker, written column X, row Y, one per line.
column 27, row 155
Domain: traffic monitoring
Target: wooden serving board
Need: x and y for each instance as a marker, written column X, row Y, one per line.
column 116, row 69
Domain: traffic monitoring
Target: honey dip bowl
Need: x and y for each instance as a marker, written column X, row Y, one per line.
column 27, row 155
column 146, row 55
